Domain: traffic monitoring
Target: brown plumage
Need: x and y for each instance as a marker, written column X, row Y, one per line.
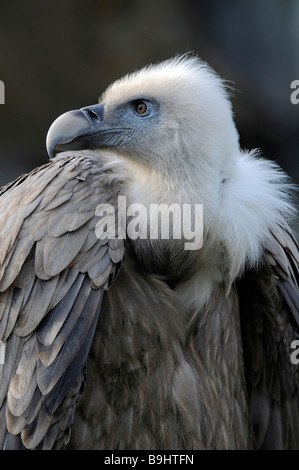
column 140, row 344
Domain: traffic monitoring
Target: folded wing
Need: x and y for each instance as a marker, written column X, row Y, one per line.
column 53, row 273
column 269, row 305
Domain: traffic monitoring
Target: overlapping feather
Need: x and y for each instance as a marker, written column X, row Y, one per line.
column 53, row 271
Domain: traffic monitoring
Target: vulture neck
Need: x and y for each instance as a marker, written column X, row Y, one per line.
column 242, row 203
column 146, row 185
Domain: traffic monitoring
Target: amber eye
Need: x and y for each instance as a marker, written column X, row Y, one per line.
column 140, row 107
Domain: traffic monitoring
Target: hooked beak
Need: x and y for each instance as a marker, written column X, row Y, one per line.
column 80, row 129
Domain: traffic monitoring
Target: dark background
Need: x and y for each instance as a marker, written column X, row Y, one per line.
column 60, row 55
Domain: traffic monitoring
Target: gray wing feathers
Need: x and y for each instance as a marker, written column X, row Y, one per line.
column 269, row 300
column 50, row 264
column 74, row 218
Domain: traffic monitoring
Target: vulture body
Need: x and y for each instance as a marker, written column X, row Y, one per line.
column 119, row 342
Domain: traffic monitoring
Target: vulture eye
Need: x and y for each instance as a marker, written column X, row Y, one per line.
column 140, row 107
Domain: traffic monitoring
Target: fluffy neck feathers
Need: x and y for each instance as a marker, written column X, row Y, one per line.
column 255, row 199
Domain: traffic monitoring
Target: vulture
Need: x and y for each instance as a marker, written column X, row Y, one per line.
column 116, row 336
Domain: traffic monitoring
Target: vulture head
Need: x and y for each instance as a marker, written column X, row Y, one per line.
column 171, row 117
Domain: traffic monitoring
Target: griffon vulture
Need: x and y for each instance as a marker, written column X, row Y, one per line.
column 123, row 342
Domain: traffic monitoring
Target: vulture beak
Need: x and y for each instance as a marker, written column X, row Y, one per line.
column 80, row 129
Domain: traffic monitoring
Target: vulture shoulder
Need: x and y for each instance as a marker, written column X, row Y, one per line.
column 53, row 272
column 269, row 310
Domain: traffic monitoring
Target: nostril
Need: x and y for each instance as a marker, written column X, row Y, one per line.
column 91, row 116
column 94, row 114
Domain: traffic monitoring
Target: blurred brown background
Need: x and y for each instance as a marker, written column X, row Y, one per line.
column 60, row 55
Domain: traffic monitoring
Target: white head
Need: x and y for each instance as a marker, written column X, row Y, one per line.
column 188, row 122
column 174, row 117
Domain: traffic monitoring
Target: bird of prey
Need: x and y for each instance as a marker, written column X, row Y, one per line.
column 111, row 341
